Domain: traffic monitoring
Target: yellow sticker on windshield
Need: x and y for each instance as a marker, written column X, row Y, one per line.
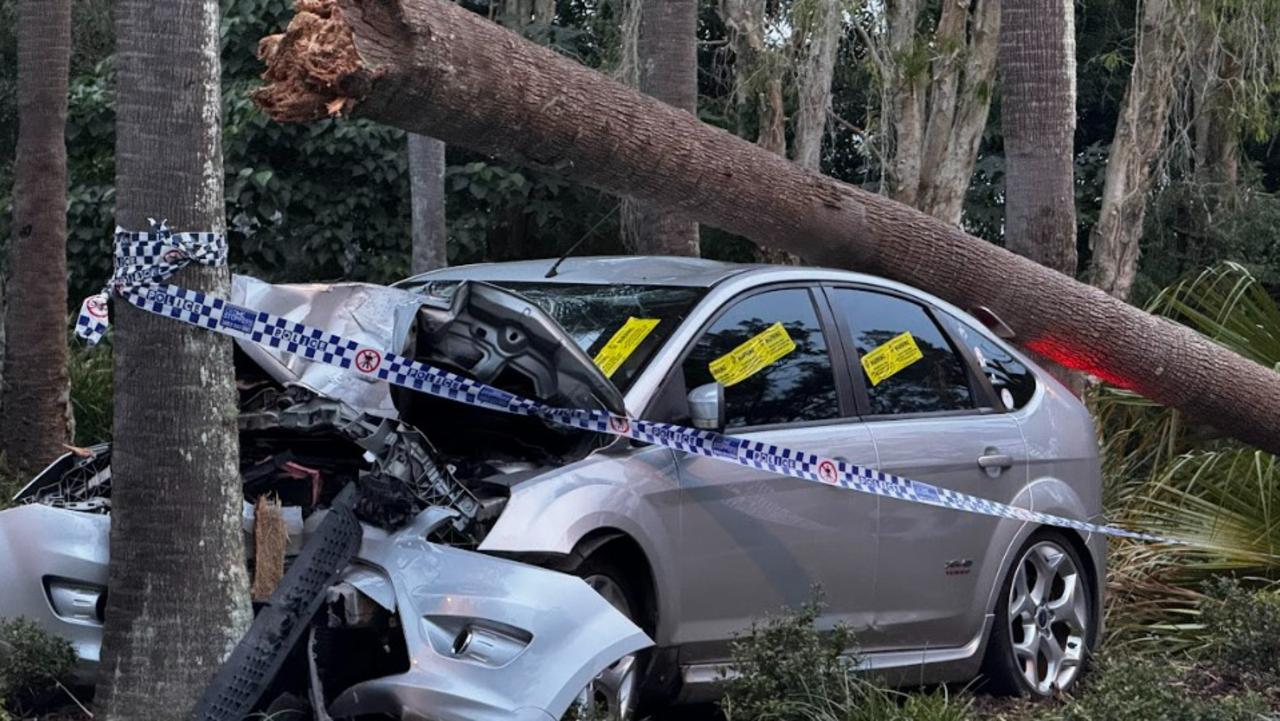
column 753, row 356
column 890, row 358
column 624, row 343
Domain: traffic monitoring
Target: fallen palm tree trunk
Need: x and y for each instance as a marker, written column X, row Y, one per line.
column 433, row 68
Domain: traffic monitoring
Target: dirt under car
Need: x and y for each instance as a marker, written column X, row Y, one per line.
column 439, row 630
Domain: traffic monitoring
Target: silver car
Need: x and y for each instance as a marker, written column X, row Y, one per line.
column 692, row 550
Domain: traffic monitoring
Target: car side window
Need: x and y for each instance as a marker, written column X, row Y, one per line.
column 797, row 386
column 1010, row 378
column 929, row 381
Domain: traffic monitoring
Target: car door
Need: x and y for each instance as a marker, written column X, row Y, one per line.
column 933, row 418
column 753, row 541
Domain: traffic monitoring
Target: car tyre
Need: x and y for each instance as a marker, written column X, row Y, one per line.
column 612, row 695
column 1045, row 621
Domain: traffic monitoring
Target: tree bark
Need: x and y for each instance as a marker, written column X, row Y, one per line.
column 1038, row 69
column 1038, row 75
column 426, row 65
column 36, row 389
column 426, row 183
column 938, row 94
column 1139, row 138
column 758, row 81
column 821, row 41
column 179, row 597
column 666, row 50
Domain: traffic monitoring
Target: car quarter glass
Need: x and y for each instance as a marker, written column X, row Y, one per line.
column 936, row 382
column 799, row 386
column 1012, row 381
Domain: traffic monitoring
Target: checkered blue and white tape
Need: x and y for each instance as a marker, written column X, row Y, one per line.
column 145, row 260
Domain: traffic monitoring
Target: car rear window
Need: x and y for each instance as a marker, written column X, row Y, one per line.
column 934, row 382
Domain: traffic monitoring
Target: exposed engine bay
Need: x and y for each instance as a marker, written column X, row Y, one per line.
column 370, row 480
column 307, row 429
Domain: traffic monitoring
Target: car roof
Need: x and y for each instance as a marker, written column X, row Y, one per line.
column 599, row 270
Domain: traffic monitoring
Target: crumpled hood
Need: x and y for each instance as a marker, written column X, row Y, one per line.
column 491, row 334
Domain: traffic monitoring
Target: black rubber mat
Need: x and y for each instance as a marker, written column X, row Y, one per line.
column 239, row 685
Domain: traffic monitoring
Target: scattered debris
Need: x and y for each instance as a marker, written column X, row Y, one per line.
column 270, row 542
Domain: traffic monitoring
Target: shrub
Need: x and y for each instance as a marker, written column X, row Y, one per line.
column 788, row 670
column 785, row 660
column 1242, row 632
column 32, row 664
column 1129, row 688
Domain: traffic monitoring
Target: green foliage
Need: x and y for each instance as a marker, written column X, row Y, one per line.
column 92, row 392
column 32, row 663
column 1242, row 633
column 1128, row 688
column 785, row 669
column 1166, row 473
column 1191, row 226
column 785, row 660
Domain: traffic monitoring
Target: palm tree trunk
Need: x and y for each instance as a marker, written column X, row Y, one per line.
column 1037, row 64
column 179, row 597
column 36, row 387
column 1038, row 69
column 1140, row 134
column 471, row 83
column 426, row 183
column 667, row 69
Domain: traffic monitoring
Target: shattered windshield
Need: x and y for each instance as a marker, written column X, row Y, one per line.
column 618, row 326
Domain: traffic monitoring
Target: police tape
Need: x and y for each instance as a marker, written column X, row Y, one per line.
column 145, row 260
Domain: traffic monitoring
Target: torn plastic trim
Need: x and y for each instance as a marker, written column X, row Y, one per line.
column 546, row 634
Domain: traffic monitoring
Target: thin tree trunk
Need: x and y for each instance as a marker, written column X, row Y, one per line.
column 36, row 387
column 906, row 87
column 426, row 182
column 959, row 100
column 179, row 597
column 937, row 96
column 1038, row 69
column 757, row 81
column 427, row 65
column 813, row 82
column 1139, row 138
column 1216, row 152
column 666, row 51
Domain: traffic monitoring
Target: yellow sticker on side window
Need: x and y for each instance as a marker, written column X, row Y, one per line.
column 888, row 359
column 624, row 343
column 753, row 356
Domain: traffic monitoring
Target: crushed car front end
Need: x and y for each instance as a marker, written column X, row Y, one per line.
column 414, row 623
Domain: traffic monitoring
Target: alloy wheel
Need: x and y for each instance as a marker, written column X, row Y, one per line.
column 1049, row 617
column 611, row 695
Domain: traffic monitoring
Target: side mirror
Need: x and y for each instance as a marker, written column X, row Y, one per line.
column 706, row 407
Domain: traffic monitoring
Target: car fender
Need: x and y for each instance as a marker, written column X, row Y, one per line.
column 634, row 492
column 1044, row 495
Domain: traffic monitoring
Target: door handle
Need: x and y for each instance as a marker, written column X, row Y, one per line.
column 991, row 461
